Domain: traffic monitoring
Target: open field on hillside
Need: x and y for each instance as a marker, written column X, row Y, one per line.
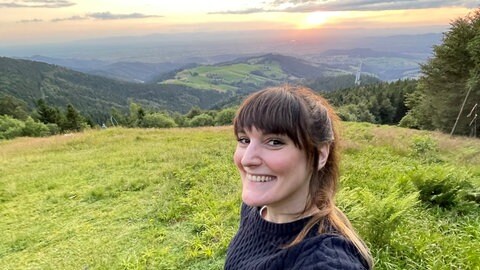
column 230, row 77
column 170, row 198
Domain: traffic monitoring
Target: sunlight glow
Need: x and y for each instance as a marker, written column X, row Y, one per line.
column 316, row 19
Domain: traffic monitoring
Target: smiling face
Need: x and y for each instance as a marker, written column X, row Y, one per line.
column 273, row 170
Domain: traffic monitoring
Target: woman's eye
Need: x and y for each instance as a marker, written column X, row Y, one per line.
column 243, row 140
column 275, row 142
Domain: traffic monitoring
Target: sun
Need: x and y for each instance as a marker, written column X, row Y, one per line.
column 316, row 19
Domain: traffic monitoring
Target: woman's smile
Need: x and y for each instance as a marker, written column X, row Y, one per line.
column 260, row 178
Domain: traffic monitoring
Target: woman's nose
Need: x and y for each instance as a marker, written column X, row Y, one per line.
column 252, row 155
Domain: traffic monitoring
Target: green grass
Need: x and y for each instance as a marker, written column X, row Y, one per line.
column 170, row 198
column 230, row 77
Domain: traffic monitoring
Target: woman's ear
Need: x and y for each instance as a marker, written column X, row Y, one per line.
column 323, row 152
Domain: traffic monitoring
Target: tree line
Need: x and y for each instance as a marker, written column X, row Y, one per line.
column 46, row 119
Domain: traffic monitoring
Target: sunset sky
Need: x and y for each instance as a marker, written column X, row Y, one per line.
column 40, row 21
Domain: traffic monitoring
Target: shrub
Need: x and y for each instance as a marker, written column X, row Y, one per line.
column 408, row 121
column 35, row 129
column 10, row 127
column 442, row 187
column 53, row 128
column 377, row 217
column 201, row 120
column 425, row 148
column 225, row 117
column 158, row 120
column 355, row 113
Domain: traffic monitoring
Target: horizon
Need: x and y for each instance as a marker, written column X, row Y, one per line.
column 42, row 22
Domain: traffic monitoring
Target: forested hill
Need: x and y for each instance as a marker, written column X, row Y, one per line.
column 291, row 66
column 93, row 95
column 245, row 75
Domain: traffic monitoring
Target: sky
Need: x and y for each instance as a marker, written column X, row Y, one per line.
column 46, row 21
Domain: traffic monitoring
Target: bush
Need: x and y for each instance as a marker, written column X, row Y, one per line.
column 408, row 121
column 201, row 120
column 377, row 217
column 225, row 117
column 441, row 187
column 53, row 128
column 425, row 148
column 35, row 129
column 10, row 127
column 355, row 113
column 158, row 120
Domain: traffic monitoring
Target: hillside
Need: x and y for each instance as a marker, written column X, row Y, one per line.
column 93, row 95
column 251, row 73
column 385, row 65
column 124, row 71
column 170, row 198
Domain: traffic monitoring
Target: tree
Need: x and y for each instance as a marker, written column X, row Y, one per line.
column 136, row 115
column 448, row 76
column 194, row 111
column 14, row 107
column 73, row 120
column 47, row 114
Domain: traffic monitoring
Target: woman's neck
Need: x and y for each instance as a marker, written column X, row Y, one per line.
column 284, row 216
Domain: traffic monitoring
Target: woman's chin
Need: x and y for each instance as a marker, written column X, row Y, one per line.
column 251, row 200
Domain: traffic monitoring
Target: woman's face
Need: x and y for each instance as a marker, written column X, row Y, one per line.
column 273, row 170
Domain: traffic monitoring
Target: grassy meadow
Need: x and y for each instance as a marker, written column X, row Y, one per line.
column 230, row 77
column 170, row 198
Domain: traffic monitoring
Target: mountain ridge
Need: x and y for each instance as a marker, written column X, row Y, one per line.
column 94, row 95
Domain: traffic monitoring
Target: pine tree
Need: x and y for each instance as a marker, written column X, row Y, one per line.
column 448, row 77
column 47, row 114
column 73, row 120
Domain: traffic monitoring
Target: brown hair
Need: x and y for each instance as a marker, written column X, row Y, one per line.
column 309, row 121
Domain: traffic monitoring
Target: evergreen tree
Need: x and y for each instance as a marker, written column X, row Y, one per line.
column 47, row 114
column 382, row 103
column 449, row 75
column 136, row 115
column 73, row 119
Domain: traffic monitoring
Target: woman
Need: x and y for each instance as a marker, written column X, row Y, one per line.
column 287, row 156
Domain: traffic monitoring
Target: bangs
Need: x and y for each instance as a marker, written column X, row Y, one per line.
column 273, row 112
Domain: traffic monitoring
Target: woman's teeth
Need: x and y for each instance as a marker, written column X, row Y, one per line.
column 259, row 178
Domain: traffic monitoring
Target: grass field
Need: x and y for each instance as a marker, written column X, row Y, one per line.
column 230, row 77
column 170, row 198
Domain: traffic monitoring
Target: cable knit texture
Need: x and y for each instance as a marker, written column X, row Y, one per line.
column 259, row 245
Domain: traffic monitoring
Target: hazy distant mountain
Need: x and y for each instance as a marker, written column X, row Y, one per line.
column 385, row 65
column 125, row 71
column 134, row 71
column 94, row 95
column 72, row 63
column 366, row 52
column 206, row 47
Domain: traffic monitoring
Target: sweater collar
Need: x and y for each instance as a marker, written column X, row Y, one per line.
column 290, row 228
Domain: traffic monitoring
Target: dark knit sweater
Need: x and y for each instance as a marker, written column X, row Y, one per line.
column 258, row 245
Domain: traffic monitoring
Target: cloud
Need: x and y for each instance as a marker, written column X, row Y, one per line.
column 36, row 4
column 245, row 11
column 350, row 5
column 30, row 21
column 110, row 16
column 105, row 16
column 73, row 18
